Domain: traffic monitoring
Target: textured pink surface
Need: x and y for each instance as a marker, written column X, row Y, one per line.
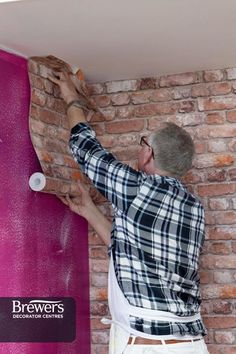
column 43, row 246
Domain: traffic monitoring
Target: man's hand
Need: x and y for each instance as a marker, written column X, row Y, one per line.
column 82, row 205
column 66, row 85
column 85, row 207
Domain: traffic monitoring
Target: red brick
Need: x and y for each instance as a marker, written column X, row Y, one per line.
column 98, row 128
column 181, row 92
column 97, row 117
column 38, row 141
column 201, row 132
column 102, row 100
column 99, row 349
column 125, row 112
column 228, row 262
column 99, row 279
column 231, row 73
column 107, row 141
column 98, row 252
column 218, row 203
column 38, row 98
column 126, row 155
column 148, row 83
column 192, row 177
column 217, row 146
column 108, row 113
column 221, row 88
column 222, row 307
column 52, row 184
column 220, row 322
column 32, row 66
column 223, row 337
column 44, row 156
column 209, row 160
column 206, row 307
column 98, row 294
column 50, row 117
column 215, row 118
column 231, row 116
column 152, row 109
column 200, row 147
column 36, row 82
column 160, row 95
column 209, row 218
column 187, row 106
column 153, row 123
column 210, row 291
column 232, row 145
column 216, row 103
column 100, row 337
column 120, row 99
column 67, row 161
column 206, row 277
column 216, row 176
column 98, row 265
column 56, row 104
column 95, row 89
column 97, row 324
column 223, row 160
column 212, row 348
column 226, row 217
column 215, row 189
column 134, row 125
column 37, row 127
column 213, row 75
column 179, row 79
column 200, row 90
column 98, row 308
column 140, row 97
column 223, row 277
column 222, row 132
column 229, row 349
column 220, row 248
column 232, row 174
column 222, row 233
column 119, row 86
column 228, row 292
column 128, row 139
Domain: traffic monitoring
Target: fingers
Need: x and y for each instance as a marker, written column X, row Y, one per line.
column 83, row 188
column 58, row 77
column 54, row 80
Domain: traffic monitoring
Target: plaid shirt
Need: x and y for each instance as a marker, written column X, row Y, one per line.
column 157, row 234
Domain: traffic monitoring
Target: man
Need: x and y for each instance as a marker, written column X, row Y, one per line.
column 157, row 233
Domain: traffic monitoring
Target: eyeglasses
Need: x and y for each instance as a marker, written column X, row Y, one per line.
column 144, row 142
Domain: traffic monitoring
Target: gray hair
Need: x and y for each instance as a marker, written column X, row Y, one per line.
column 173, row 149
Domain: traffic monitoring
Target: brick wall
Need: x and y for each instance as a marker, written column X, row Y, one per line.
column 204, row 103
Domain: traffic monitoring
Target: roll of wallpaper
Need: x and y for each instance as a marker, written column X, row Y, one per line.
column 37, row 181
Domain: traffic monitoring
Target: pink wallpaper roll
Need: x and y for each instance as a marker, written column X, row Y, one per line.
column 43, row 245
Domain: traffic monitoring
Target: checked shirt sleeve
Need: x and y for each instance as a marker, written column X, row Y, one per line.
column 116, row 181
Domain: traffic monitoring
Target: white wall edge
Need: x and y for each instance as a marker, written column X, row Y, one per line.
column 9, row 50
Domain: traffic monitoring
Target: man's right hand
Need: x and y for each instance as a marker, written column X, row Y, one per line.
column 83, row 204
column 66, row 85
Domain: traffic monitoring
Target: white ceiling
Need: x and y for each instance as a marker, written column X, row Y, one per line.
column 121, row 39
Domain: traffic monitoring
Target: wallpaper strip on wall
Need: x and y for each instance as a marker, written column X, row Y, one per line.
column 49, row 128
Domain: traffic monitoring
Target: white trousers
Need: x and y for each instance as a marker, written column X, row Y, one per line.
column 118, row 337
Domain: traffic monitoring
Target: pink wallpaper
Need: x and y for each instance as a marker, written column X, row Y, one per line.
column 43, row 246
